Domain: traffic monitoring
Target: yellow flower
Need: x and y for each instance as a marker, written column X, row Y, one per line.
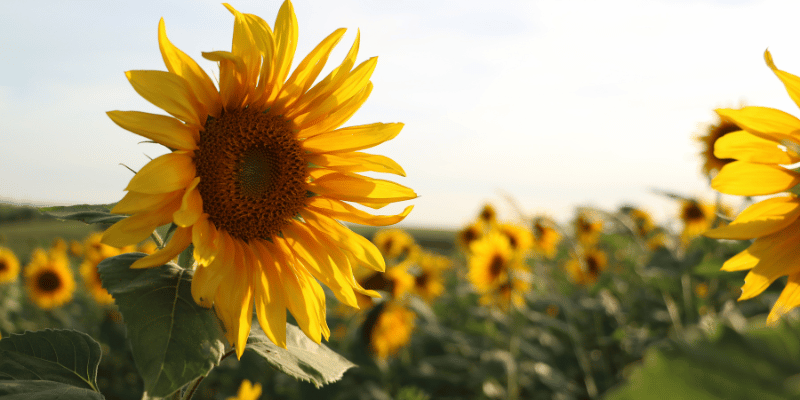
column 519, row 238
column 393, row 243
column 585, row 269
column 95, row 249
column 769, row 141
column 642, row 221
column 396, row 281
column 428, row 281
column 9, row 265
column 59, row 245
column 260, row 175
column 247, row 391
column 488, row 215
column 75, row 248
column 469, row 234
column 49, row 279
column 492, row 261
column 91, row 278
column 390, row 331
column 507, row 294
column 711, row 163
column 697, row 217
column 545, row 237
column 588, row 228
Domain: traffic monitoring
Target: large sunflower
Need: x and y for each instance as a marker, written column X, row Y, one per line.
column 49, row 279
column 770, row 140
column 259, row 175
column 9, row 265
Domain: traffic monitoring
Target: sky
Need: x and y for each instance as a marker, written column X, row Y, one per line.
column 554, row 104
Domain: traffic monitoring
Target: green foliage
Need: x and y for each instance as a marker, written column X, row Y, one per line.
column 173, row 339
column 45, row 390
column 302, row 358
column 50, row 361
column 90, row 214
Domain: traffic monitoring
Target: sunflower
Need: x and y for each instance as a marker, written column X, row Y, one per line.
column 9, row 265
column 469, row 234
column 769, row 141
column 488, row 215
column 75, row 248
column 394, row 243
column 260, row 175
column 492, row 261
column 545, row 237
column 389, row 329
column 91, row 278
column 509, row 293
column 711, row 163
column 697, row 217
column 95, row 249
column 642, row 221
column 428, row 281
column 247, row 391
column 59, row 245
column 519, row 238
column 396, row 282
column 586, row 268
column 49, row 279
column 587, row 228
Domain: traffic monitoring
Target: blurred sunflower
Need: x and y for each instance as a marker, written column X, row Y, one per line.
column 75, row 248
column 396, row 281
column 492, row 262
column 95, row 249
column 59, row 245
column 545, row 237
column 9, row 265
column 91, row 279
column 388, row 329
column 259, row 175
column 588, row 228
column 49, row 279
column 519, row 238
column 394, row 243
column 769, row 141
column 586, row 268
column 509, row 293
column 428, row 281
column 711, row 163
column 247, row 391
column 697, row 217
column 469, row 234
column 642, row 221
column 488, row 215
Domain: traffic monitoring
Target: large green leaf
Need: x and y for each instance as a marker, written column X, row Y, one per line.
column 758, row 365
column 302, row 358
column 90, row 214
column 44, row 390
column 64, row 356
column 172, row 338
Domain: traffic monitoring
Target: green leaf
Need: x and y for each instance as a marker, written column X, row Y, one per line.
column 44, row 390
column 64, row 356
column 90, row 214
column 302, row 358
column 173, row 339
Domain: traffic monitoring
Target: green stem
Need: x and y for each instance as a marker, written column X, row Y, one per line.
column 193, row 385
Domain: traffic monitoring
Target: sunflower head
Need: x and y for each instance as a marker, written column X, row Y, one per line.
column 585, row 269
column 588, row 228
column 545, row 237
column 259, row 174
column 91, row 279
column 59, row 245
column 395, row 245
column 711, row 163
column 9, row 265
column 75, row 248
column 642, row 221
column 491, row 261
column 519, row 238
column 49, row 279
column 469, row 234
column 697, row 217
column 508, row 294
column 388, row 329
column 488, row 215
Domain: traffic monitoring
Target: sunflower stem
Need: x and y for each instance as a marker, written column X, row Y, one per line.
column 192, row 387
column 157, row 239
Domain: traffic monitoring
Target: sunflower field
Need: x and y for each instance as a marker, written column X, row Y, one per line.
column 243, row 265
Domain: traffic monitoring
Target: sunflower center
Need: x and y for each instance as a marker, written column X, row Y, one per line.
column 693, row 213
column 593, row 266
column 496, row 266
column 48, row 281
column 3, row 266
column 252, row 173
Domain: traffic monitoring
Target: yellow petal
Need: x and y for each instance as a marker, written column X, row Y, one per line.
column 370, row 192
column 162, row 129
column 245, row 48
column 356, row 162
column 352, row 243
column 345, row 212
column 791, row 81
column 179, row 242
column 768, row 123
column 789, row 299
column 744, row 260
column 745, row 146
column 184, row 66
column 233, row 301
column 269, row 301
column 207, row 278
column 169, row 92
column 320, row 265
column 777, row 256
column 135, row 202
column 165, row 173
column 352, row 138
column 321, row 106
column 205, row 240
column 286, row 44
column 139, row 227
column 191, row 206
column 336, row 118
column 233, row 85
column 748, row 179
column 760, row 219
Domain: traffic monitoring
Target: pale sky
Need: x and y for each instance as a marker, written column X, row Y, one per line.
column 556, row 103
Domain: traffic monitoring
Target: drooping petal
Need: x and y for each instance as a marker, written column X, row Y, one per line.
column 370, row 192
column 352, row 138
column 760, row 219
column 184, row 66
column 165, row 173
column 748, row 179
column 162, row 129
column 791, row 81
column 345, row 212
column 789, row 299
column 169, row 92
column 362, row 249
column 270, row 298
column 179, row 242
column 245, row 48
column 233, row 85
column 233, row 301
column 745, row 259
column 356, row 162
column 191, row 206
column 205, row 240
column 745, row 146
column 768, row 123
column 776, row 259
column 139, row 227
column 135, row 202
column 207, row 278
